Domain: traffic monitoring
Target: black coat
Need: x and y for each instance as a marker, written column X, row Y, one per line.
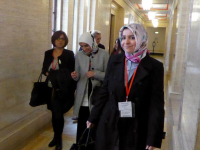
column 61, row 79
column 101, row 46
column 148, row 96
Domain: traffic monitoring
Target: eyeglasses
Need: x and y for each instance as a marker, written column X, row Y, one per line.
column 60, row 39
column 86, row 45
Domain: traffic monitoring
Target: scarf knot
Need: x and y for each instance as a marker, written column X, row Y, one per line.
column 136, row 58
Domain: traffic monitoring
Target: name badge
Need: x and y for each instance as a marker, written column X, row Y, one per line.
column 127, row 109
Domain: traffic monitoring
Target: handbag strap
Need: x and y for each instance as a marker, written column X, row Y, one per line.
column 40, row 77
column 81, row 138
column 88, row 137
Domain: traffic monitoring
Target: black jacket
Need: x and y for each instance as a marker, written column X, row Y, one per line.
column 148, row 96
column 101, row 46
column 61, row 79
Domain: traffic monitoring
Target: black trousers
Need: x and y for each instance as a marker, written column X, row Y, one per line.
column 58, row 124
column 57, row 118
column 84, row 113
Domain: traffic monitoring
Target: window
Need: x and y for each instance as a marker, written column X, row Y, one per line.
column 57, row 15
column 75, row 26
column 65, row 16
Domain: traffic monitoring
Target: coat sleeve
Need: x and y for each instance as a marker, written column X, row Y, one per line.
column 44, row 66
column 99, row 75
column 102, row 97
column 77, row 67
column 72, row 61
column 156, row 108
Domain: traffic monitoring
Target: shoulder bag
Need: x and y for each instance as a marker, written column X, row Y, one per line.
column 40, row 94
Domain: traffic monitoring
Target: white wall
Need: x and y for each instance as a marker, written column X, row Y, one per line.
column 25, row 36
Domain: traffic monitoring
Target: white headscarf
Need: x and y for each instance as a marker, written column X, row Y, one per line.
column 88, row 38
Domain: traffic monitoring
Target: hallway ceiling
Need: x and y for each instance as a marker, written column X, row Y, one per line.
column 161, row 7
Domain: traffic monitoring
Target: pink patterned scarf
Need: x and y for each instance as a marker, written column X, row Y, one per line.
column 141, row 42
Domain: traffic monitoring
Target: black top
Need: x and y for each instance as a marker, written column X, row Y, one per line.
column 66, row 59
column 101, row 46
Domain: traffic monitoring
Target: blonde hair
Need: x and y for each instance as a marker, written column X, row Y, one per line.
column 95, row 32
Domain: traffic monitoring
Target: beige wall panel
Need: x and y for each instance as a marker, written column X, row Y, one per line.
column 25, row 36
column 70, row 23
column 102, row 20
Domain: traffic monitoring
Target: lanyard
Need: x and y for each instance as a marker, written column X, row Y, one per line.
column 128, row 89
column 89, row 61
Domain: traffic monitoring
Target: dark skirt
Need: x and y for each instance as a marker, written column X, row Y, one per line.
column 128, row 136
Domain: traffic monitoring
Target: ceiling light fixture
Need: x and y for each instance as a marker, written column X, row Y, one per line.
column 113, row 6
column 125, row 21
column 155, row 23
column 146, row 4
column 195, row 16
column 151, row 15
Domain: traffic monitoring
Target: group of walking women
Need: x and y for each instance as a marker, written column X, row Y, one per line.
column 127, row 112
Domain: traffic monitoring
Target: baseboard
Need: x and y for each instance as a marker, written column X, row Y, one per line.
column 16, row 133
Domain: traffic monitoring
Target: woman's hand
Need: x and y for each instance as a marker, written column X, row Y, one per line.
column 89, row 124
column 47, row 73
column 150, row 147
column 90, row 74
column 74, row 75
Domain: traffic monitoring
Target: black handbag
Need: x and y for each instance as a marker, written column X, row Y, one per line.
column 87, row 145
column 40, row 94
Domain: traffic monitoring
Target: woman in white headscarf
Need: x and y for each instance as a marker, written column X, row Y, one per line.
column 130, row 104
column 90, row 67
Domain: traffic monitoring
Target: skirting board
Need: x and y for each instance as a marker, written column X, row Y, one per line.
column 24, row 129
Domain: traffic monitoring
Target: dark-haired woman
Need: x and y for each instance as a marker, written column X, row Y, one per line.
column 117, row 49
column 131, row 101
column 57, row 66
